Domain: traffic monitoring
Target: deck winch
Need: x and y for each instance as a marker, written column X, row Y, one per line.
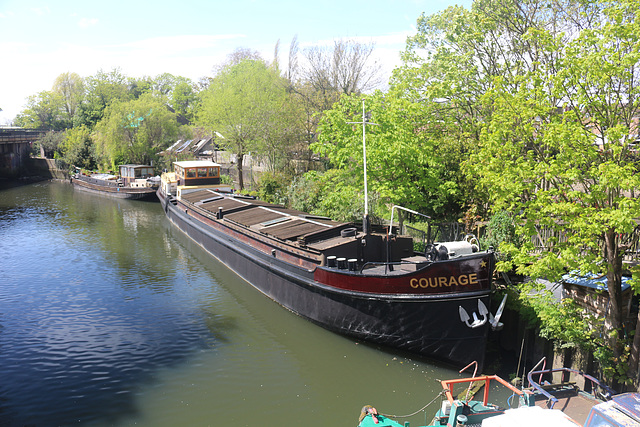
column 446, row 250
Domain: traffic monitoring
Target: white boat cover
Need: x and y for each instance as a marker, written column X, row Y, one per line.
column 530, row 416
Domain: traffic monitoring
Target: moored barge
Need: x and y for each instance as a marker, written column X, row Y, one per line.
column 366, row 284
column 132, row 182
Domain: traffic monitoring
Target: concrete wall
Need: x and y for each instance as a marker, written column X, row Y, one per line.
column 46, row 168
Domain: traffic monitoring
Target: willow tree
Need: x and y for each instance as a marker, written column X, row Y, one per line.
column 134, row 131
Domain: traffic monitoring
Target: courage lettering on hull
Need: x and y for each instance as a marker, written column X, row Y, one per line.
column 443, row 281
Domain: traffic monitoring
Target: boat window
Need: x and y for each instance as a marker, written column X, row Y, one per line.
column 191, row 173
column 597, row 420
column 202, row 172
column 275, row 221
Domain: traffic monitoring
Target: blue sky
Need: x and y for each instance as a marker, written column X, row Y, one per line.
column 39, row 40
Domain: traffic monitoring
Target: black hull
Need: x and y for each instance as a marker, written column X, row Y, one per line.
column 428, row 325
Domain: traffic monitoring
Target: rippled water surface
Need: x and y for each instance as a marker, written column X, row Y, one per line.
column 110, row 316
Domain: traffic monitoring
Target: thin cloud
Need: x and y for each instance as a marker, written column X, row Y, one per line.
column 40, row 11
column 180, row 43
column 87, row 22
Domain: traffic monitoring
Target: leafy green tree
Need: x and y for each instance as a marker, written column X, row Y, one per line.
column 49, row 144
column 139, row 86
column 135, row 131
column 71, row 88
column 558, row 149
column 452, row 62
column 184, row 99
column 405, row 166
column 78, row 149
column 542, row 98
column 163, row 84
column 246, row 102
column 44, row 111
column 100, row 91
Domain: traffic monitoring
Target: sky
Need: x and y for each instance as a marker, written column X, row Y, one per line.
column 39, row 40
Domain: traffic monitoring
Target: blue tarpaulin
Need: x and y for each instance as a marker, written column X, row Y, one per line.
column 593, row 281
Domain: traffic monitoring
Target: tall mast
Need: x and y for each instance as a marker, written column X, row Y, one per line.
column 365, row 222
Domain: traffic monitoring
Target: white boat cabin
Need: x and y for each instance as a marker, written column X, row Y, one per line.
column 130, row 173
column 197, row 172
column 192, row 175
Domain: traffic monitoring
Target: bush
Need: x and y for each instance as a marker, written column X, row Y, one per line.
column 272, row 187
column 501, row 229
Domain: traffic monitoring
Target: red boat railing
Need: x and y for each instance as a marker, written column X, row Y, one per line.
column 447, row 385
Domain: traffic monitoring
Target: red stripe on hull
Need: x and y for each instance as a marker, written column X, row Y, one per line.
column 444, row 277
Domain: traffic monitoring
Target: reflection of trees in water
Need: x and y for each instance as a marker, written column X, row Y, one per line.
column 111, row 301
column 140, row 241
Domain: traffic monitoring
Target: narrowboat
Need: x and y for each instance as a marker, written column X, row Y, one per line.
column 364, row 282
column 132, row 182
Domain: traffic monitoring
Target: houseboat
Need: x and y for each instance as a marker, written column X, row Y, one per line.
column 132, row 182
column 363, row 282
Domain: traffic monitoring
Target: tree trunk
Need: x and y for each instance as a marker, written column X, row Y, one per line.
column 634, row 358
column 614, row 285
column 240, row 159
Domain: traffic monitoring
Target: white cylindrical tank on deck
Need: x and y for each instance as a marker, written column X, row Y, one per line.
column 460, row 247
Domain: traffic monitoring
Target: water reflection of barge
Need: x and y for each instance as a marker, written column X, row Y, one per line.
column 368, row 285
column 133, row 182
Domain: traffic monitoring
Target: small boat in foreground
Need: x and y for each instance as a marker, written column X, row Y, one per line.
column 562, row 404
column 366, row 283
column 132, row 182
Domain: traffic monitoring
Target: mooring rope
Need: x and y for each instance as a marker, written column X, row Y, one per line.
column 418, row 411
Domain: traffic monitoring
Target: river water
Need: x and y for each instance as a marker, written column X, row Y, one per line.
column 109, row 316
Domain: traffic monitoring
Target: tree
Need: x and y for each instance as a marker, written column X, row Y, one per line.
column 541, row 96
column 559, row 149
column 71, row 88
column 100, row 91
column 246, row 102
column 184, row 99
column 405, row 165
column 139, row 86
column 78, row 148
column 163, row 84
column 134, row 131
column 44, row 111
column 345, row 68
column 49, row 144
